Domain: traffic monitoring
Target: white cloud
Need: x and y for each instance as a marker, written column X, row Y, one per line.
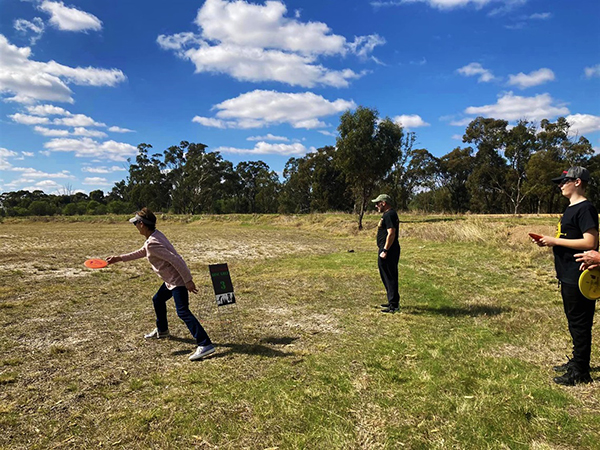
column 475, row 69
column 103, row 169
column 410, row 121
column 256, row 43
column 4, row 155
column 264, row 26
column 120, row 130
column 52, row 132
column 513, row 107
column 363, row 46
column 327, row 133
column 264, row 148
column 48, row 110
column 210, row 122
column 31, row 173
column 70, row 19
column 28, row 120
column 96, row 181
column 535, row 78
column 593, row 71
column 452, row 4
column 86, row 147
column 28, row 154
column 81, row 131
column 29, row 81
column 268, row 137
column 583, row 123
column 262, row 108
column 36, row 28
column 78, row 120
column 48, row 186
column 541, row 16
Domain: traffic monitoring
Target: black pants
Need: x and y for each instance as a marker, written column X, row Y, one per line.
column 182, row 304
column 388, row 270
column 580, row 317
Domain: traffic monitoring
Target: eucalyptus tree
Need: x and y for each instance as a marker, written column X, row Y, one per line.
column 258, row 187
column 487, row 180
column 367, row 148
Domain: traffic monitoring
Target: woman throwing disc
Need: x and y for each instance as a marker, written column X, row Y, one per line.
column 177, row 278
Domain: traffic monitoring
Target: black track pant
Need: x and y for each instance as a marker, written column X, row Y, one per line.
column 580, row 317
column 388, row 270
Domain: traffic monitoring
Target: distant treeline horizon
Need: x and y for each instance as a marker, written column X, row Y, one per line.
column 503, row 170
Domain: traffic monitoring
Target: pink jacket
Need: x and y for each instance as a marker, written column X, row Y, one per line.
column 164, row 259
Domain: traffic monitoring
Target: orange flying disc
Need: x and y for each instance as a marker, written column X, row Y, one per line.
column 95, row 263
column 535, row 237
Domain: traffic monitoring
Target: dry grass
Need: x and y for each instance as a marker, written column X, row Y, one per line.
column 304, row 360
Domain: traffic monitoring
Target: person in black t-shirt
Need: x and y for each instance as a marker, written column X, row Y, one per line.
column 577, row 232
column 389, row 251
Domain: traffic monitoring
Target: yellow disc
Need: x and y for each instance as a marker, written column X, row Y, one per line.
column 589, row 283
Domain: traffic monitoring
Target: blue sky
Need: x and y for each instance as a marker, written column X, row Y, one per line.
column 83, row 82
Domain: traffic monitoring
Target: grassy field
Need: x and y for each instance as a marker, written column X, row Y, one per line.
column 305, row 360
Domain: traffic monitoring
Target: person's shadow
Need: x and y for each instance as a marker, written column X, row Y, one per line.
column 257, row 349
column 467, row 311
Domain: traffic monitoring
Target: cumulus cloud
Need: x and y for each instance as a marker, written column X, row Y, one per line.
column 410, row 121
column 31, row 173
column 593, row 71
column 257, row 43
column 120, row 130
column 103, row 169
column 89, row 148
column 47, row 110
column 96, row 181
column 476, row 69
column 583, row 123
column 513, row 107
column 36, row 28
column 535, row 78
column 82, row 131
column 261, row 108
column 29, row 81
column 4, row 155
column 51, row 132
column 48, row 186
column 265, row 148
column 78, row 120
column 26, row 119
column 268, row 137
column 70, row 19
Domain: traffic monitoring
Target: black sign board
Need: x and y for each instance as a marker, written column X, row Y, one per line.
column 221, row 280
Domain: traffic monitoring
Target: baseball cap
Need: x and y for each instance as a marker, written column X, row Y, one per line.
column 573, row 172
column 383, row 198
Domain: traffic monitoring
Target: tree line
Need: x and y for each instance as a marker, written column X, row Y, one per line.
column 500, row 169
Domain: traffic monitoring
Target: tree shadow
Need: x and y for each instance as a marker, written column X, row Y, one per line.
column 467, row 311
column 433, row 220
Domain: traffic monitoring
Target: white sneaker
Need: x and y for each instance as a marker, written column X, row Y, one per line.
column 155, row 334
column 202, row 352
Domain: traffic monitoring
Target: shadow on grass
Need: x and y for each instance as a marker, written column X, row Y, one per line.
column 468, row 311
column 225, row 349
column 431, row 219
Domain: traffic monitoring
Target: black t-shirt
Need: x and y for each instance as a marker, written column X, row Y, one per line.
column 576, row 220
column 389, row 220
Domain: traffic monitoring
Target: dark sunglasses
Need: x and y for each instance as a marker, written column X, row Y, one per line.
column 566, row 180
